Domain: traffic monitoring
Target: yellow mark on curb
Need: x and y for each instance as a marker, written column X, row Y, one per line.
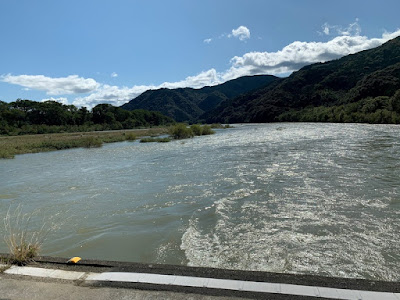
column 74, row 260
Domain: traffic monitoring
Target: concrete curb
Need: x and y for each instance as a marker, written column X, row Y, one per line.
column 98, row 266
column 201, row 283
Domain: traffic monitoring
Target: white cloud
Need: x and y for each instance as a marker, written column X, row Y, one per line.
column 111, row 94
column 117, row 96
column 207, row 41
column 113, row 74
column 326, row 29
column 205, row 78
column 61, row 100
column 298, row 54
column 242, row 33
column 353, row 29
column 386, row 36
column 72, row 84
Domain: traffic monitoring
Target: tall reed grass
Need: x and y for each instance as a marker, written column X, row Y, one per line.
column 23, row 237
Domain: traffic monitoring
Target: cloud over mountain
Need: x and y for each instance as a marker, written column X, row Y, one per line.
column 298, row 54
column 120, row 95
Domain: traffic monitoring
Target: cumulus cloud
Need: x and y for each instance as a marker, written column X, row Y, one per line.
column 111, row 94
column 119, row 95
column 298, row 54
column 113, row 74
column 72, row 84
column 242, row 33
column 205, row 78
column 61, row 100
column 207, row 41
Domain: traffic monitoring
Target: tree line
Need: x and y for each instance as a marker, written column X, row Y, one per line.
column 374, row 110
column 32, row 117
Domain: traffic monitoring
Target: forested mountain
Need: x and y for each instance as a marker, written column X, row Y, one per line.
column 362, row 87
column 188, row 104
column 31, row 117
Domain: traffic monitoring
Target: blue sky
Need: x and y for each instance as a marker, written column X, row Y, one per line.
column 95, row 51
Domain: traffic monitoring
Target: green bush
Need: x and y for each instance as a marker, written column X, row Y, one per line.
column 91, row 142
column 57, row 145
column 4, row 153
column 220, row 126
column 196, row 129
column 206, row 130
column 130, row 137
column 180, row 131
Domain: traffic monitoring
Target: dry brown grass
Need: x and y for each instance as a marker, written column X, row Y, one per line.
column 22, row 237
column 23, row 243
column 13, row 145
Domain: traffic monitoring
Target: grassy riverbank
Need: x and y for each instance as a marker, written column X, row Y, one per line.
column 13, row 145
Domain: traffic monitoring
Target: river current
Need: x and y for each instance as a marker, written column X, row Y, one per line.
column 286, row 197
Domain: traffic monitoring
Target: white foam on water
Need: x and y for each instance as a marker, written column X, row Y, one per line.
column 300, row 212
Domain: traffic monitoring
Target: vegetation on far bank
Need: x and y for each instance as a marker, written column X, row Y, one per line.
column 220, row 126
column 31, row 117
column 182, row 131
column 13, row 145
column 378, row 110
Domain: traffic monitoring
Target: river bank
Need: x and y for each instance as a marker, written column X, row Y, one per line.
column 13, row 145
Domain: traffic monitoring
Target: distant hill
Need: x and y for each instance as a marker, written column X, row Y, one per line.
column 362, row 87
column 188, row 104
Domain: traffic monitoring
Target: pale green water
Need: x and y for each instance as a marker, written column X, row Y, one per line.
column 300, row 198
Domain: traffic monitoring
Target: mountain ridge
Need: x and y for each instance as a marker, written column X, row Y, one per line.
column 362, row 76
column 188, row 104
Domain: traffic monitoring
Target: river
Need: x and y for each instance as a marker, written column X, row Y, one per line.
column 285, row 197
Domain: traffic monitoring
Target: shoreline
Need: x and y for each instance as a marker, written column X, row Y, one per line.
column 24, row 144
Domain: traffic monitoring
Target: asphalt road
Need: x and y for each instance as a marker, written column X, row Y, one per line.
column 19, row 288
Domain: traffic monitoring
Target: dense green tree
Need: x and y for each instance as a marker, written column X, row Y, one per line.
column 394, row 102
column 31, row 117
